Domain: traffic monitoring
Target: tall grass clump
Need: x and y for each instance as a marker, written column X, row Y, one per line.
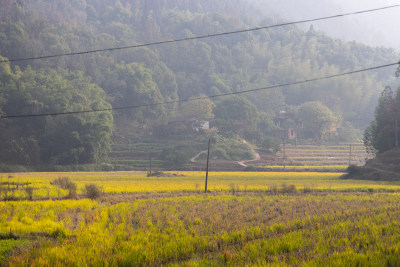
column 67, row 184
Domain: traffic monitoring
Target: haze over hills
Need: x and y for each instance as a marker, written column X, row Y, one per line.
column 171, row 73
column 189, row 133
column 376, row 29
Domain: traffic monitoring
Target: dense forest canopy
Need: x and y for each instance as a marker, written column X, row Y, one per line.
column 164, row 73
column 82, row 138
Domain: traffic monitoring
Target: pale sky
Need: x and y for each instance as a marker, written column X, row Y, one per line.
column 380, row 28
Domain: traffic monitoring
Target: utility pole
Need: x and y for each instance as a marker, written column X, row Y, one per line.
column 350, row 156
column 397, row 138
column 284, row 153
column 208, row 161
column 151, row 161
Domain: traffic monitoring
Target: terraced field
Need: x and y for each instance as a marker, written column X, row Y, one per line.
column 136, row 156
column 323, row 157
column 298, row 158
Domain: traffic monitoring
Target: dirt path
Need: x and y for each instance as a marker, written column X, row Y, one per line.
column 243, row 163
column 194, row 159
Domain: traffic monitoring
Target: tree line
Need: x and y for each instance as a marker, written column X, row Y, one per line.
column 383, row 133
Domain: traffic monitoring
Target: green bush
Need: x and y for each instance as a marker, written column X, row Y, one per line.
column 220, row 153
column 58, row 233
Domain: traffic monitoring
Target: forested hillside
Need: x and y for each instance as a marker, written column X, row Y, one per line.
column 163, row 73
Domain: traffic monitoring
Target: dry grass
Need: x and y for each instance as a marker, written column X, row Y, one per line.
column 138, row 182
column 279, row 218
column 256, row 229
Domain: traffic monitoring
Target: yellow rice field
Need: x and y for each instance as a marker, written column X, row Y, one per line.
column 329, row 229
column 349, row 223
column 135, row 182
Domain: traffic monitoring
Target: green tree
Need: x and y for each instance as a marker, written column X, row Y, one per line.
column 130, row 85
column 266, row 123
column 200, row 108
column 380, row 136
column 272, row 144
column 233, row 114
column 317, row 120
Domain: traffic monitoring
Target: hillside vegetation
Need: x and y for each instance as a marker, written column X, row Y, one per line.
column 382, row 138
column 165, row 73
column 386, row 167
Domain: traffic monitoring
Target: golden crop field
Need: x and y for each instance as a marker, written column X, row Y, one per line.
column 314, row 167
column 262, row 219
column 138, row 182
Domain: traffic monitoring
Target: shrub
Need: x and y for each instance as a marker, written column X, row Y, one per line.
column 72, row 190
column 93, row 191
column 61, row 182
column 288, row 189
column 273, row 189
column 220, row 153
column 66, row 184
column 58, row 233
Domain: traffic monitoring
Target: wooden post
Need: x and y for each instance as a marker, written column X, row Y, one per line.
column 208, row 161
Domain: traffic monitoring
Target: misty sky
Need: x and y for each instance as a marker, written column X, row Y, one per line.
column 377, row 29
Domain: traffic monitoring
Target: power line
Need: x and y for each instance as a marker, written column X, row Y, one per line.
column 201, row 36
column 203, row 97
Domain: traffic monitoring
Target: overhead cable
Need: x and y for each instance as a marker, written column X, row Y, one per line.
column 198, row 37
column 202, row 97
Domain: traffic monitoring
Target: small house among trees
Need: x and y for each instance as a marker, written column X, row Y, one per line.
column 289, row 124
column 289, row 133
column 189, row 122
